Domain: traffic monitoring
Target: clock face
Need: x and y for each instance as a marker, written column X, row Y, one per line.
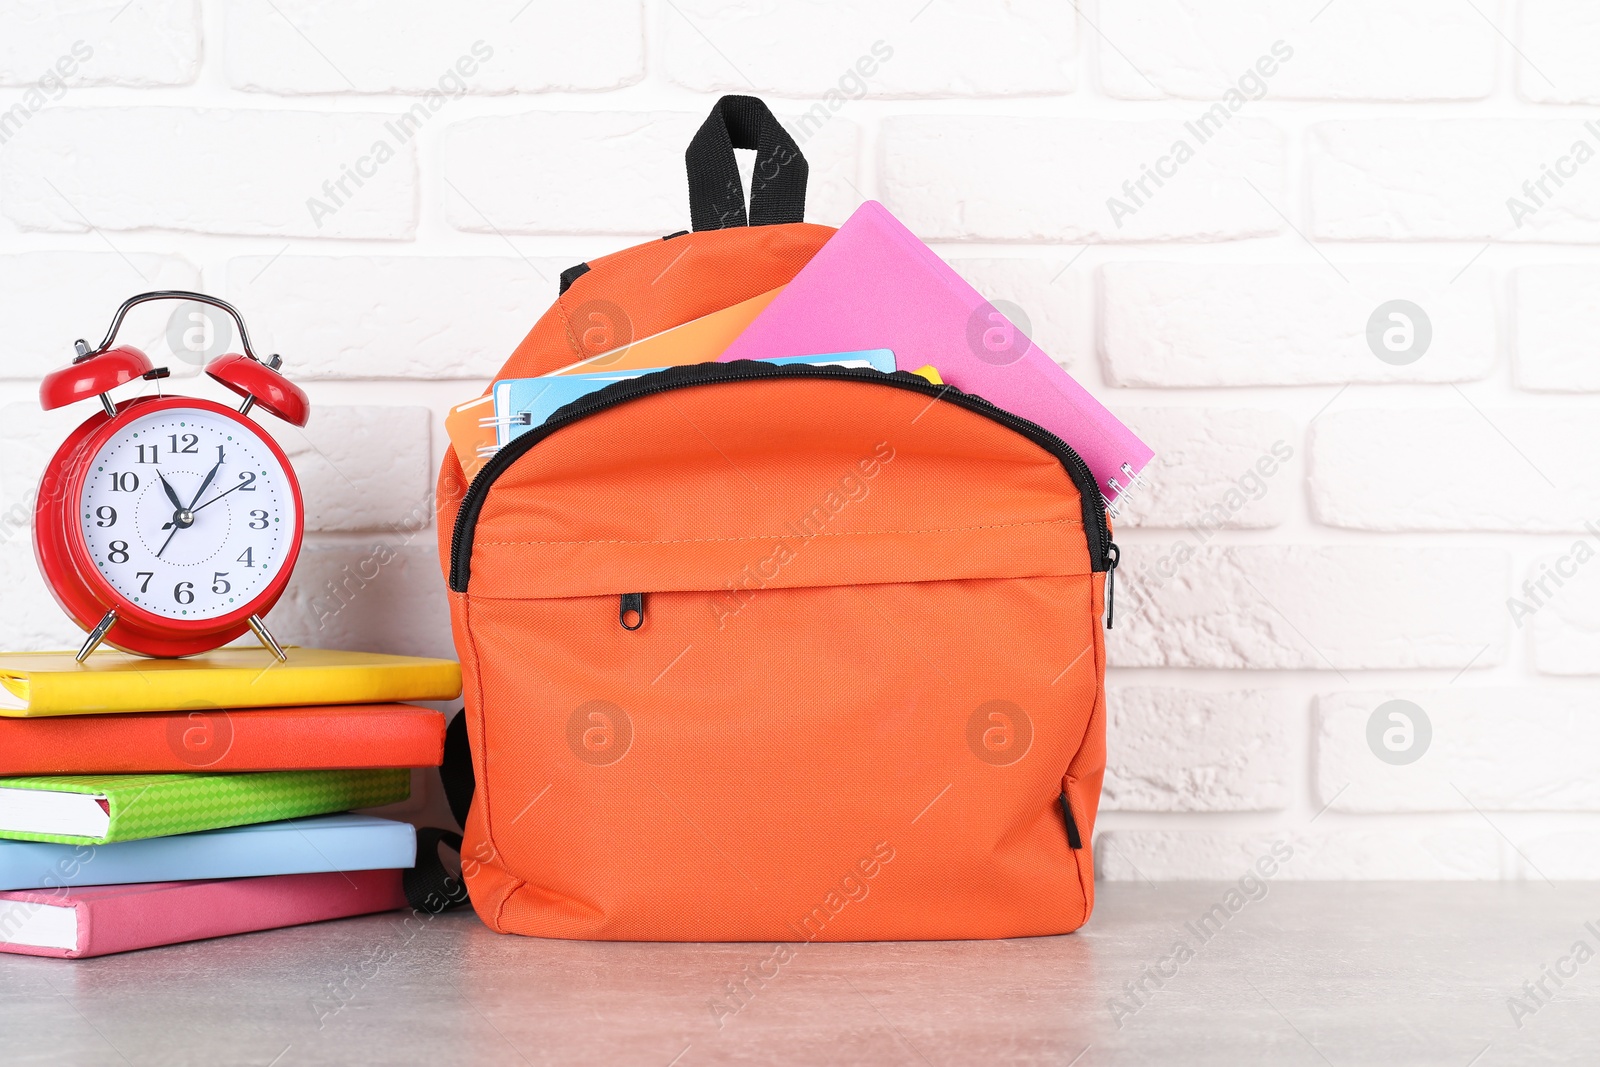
column 187, row 513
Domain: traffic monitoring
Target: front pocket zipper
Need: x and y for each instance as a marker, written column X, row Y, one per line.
column 631, row 613
column 1098, row 533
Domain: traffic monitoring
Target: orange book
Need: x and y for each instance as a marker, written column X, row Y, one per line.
column 472, row 432
column 333, row 737
column 696, row 341
column 471, row 425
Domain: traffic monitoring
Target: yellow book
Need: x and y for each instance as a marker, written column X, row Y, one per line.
column 53, row 683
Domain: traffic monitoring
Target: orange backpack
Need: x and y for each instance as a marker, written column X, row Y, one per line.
column 776, row 653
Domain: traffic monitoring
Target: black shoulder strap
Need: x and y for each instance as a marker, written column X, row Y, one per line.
column 778, row 185
column 431, row 886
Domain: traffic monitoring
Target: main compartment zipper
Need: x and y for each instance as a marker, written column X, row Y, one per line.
column 1101, row 550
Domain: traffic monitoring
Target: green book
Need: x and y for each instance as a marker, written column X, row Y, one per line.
column 96, row 809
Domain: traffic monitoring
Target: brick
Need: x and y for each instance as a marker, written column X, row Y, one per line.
column 49, row 299
column 1558, row 604
column 605, row 172
column 1569, row 855
column 381, row 595
column 393, row 316
column 1053, row 298
column 840, row 52
column 972, row 178
column 1445, row 853
column 32, row 621
column 1185, row 750
column 1307, row 607
column 361, row 468
column 29, row 436
column 1215, row 468
column 1489, row 469
column 1557, row 40
column 220, row 171
column 1557, row 311
column 1230, row 324
column 1453, row 180
column 412, row 46
column 152, row 42
column 1500, row 749
column 1362, row 50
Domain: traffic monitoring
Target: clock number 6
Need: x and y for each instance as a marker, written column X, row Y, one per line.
column 183, row 592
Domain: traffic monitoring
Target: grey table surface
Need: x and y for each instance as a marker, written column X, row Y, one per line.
column 1313, row 973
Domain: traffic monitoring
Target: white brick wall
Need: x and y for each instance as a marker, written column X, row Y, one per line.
column 1362, row 50
column 416, row 47
column 1450, row 179
column 211, row 171
column 808, row 48
column 1469, row 469
column 151, row 43
column 1329, row 526
column 1199, row 324
column 1050, row 180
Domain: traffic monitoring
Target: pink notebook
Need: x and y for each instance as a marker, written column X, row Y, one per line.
column 101, row 920
column 874, row 285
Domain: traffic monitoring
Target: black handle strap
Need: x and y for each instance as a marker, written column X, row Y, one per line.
column 778, row 186
column 431, row 886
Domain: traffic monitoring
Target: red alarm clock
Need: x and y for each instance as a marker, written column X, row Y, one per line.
column 168, row 526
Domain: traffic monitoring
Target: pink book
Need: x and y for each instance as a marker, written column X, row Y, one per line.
column 874, row 285
column 101, row 920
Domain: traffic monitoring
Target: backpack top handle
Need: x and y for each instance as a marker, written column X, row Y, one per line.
column 716, row 195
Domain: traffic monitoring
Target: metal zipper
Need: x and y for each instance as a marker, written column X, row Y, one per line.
column 1101, row 550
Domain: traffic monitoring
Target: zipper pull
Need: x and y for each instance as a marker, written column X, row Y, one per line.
column 1113, row 553
column 632, row 607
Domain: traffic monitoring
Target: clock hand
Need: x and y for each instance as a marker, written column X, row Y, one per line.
column 171, row 495
column 168, row 541
column 205, row 484
column 218, row 497
column 181, row 517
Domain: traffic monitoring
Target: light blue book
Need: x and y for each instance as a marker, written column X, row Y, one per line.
column 293, row 846
column 520, row 404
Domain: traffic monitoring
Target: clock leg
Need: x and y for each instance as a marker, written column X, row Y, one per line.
column 266, row 637
column 96, row 635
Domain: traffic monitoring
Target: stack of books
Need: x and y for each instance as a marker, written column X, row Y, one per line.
column 149, row 802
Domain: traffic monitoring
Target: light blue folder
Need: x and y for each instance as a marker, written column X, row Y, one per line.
column 292, row 846
column 520, row 404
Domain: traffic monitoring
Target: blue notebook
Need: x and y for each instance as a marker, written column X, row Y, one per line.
column 520, row 404
column 293, row 846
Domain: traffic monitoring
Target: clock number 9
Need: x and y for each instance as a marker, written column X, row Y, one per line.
column 105, row 515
